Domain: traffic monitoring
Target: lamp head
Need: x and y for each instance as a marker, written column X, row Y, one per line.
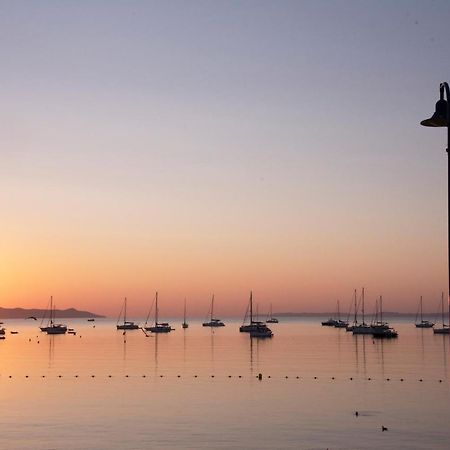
column 439, row 118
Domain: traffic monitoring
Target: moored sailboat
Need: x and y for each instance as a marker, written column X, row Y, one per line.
column 184, row 324
column 52, row 327
column 213, row 322
column 362, row 328
column 270, row 318
column 158, row 327
column 340, row 323
column 126, row 325
column 445, row 327
column 423, row 323
column 380, row 328
column 253, row 324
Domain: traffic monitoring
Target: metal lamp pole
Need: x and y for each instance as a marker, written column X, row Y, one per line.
column 441, row 118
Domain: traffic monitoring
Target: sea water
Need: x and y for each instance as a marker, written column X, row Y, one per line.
column 199, row 388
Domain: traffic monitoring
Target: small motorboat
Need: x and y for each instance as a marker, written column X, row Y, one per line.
column 329, row 323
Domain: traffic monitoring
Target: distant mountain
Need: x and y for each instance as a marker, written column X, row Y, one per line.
column 21, row 313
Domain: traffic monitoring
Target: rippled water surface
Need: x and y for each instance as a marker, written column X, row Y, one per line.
column 199, row 388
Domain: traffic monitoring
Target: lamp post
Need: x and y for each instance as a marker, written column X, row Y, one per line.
column 441, row 118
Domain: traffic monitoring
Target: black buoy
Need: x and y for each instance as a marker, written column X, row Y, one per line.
column 383, row 428
column 356, row 413
column 259, row 376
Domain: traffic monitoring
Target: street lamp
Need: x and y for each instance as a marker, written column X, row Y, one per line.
column 441, row 118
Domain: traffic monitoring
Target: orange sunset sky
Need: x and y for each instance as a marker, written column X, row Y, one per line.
column 203, row 147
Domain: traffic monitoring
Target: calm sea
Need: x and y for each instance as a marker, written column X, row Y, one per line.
column 199, row 388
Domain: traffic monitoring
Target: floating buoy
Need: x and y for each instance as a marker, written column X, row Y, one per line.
column 260, row 376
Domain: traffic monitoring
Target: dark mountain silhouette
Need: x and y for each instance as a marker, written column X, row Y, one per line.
column 21, row 313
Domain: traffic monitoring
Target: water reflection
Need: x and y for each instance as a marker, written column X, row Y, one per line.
column 360, row 353
column 51, row 350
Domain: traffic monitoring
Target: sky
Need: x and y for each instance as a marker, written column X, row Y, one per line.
column 217, row 147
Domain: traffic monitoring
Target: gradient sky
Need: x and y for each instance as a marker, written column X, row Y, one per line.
column 199, row 147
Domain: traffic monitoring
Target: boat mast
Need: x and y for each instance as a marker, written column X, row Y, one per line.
column 51, row 310
column 184, row 310
column 212, row 307
column 421, row 312
column 125, row 312
column 356, row 318
column 381, row 309
column 251, row 307
column 156, row 309
column 338, row 311
column 363, row 306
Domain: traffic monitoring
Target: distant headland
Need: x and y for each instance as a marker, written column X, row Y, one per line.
column 21, row 313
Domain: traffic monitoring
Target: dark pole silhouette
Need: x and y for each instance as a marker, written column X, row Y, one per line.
column 441, row 118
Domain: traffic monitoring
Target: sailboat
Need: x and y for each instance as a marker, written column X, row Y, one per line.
column 445, row 327
column 382, row 329
column 355, row 318
column 270, row 318
column 184, row 324
column 254, row 326
column 422, row 323
column 261, row 330
column 362, row 328
column 52, row 327
column 340, row 323
column 158, row 327
column 126, row 325
column 213, row 322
